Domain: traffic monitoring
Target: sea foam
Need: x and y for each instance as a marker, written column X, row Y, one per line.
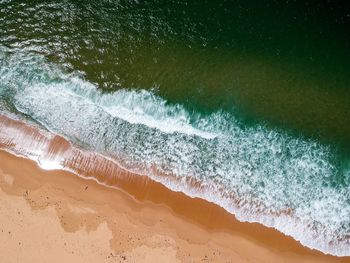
column 257, row 173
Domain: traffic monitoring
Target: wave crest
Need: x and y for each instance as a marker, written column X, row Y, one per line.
column 258, row 174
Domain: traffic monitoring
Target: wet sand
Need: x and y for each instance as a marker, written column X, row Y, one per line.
column 51, row 216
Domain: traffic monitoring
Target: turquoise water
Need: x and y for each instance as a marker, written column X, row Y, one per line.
column 249, row 98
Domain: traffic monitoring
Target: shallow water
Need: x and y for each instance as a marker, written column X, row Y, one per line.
column 255, row 110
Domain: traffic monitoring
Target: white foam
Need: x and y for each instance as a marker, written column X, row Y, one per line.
column 143, row 107
column 275, row 179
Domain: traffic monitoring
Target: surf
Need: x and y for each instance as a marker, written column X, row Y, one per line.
column 257, row 173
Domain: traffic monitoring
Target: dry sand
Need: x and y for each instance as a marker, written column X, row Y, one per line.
column 55, row 216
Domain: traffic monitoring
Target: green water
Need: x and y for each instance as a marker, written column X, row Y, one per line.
column 249, row 98
column 283, row 63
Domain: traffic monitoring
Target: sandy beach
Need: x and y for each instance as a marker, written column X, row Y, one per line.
column 174, row 131
column 55, row 216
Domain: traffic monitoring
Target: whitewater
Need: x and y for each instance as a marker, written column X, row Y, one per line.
column 257, row 173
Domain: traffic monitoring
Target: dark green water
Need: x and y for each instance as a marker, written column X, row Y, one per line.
column 284, row 63
column 252, row 96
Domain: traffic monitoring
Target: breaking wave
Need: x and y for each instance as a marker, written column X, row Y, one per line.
column 257, row 173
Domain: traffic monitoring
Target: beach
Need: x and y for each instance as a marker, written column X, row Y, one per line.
column 54, row 215
column 177, row 131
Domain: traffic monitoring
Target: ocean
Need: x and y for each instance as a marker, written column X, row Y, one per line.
column 245, row 104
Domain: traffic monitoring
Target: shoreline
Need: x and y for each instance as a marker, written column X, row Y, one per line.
column 211, row 223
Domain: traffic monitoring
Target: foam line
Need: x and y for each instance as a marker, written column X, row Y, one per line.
column 259, row 174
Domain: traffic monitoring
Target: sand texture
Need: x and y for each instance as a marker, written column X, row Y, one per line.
column 99, row 212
